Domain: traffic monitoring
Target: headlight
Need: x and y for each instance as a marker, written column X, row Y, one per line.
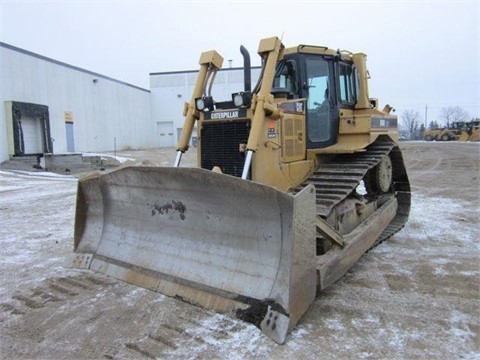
column 204, row 103
column 200, row 104
column 237, row 100
column 242, row 99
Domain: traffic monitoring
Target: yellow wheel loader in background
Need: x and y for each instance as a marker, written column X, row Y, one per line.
column 474, row 130
column 458, row 131
column 296, row 179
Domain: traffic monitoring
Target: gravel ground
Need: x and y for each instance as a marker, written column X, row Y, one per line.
column 413, row 296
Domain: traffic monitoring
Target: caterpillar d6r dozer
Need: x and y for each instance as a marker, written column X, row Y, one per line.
column 296, row 179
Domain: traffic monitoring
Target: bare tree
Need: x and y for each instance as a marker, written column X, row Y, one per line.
column 450, row 114
column 410, row 123
column 433, row 125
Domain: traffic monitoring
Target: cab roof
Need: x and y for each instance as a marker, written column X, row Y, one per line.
column 317, row 50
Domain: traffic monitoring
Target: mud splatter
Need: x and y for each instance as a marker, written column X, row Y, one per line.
column 174, row 206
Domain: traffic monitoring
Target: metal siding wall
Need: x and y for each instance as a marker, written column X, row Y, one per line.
column 165, row 88
column 101, row 111
column 3, row 124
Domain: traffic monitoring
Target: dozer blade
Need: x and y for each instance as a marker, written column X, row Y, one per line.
column 210, row 239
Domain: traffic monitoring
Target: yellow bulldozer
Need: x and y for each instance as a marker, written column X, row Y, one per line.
column 297, row 178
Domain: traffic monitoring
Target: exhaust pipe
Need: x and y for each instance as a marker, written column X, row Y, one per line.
column 247, row 73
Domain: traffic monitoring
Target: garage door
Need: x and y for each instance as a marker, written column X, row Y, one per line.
column 165, row 134
column 32, row 135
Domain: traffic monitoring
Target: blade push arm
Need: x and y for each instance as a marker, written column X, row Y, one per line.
column 272, row 49
column 209, row 61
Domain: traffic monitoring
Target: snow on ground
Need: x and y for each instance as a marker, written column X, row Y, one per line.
column 36, row 215
column 108, row 156
column 413, row 296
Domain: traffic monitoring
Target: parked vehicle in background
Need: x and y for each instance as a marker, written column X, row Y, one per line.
column 458, row 131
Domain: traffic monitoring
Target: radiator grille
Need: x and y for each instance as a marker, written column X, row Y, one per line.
column 220, row 143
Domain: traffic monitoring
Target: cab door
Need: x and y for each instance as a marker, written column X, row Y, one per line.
column 322, row 108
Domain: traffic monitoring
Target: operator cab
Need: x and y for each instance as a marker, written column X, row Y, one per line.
column 329, row 84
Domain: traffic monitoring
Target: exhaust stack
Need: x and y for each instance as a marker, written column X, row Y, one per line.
column 247, row 73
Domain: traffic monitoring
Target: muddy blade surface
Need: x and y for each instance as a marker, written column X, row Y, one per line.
column 210, row 239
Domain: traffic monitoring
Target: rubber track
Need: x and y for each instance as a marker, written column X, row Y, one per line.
column 337, row 180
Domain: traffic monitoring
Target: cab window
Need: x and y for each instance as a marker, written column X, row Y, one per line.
column 317, row 82
column 318, row 101
column 347, row 84
column 286, row 77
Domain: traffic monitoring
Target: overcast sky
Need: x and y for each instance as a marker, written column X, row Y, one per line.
column 420, row 53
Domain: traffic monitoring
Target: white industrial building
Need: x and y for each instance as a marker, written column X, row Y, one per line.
column 53, row 107
column 170, row 90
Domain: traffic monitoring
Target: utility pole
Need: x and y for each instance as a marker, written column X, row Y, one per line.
column 426, row 109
